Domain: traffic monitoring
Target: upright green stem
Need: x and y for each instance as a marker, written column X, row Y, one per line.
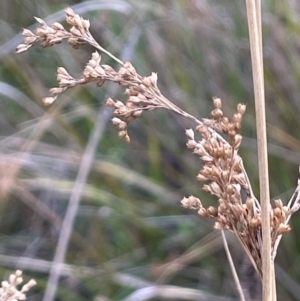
column 254, row 24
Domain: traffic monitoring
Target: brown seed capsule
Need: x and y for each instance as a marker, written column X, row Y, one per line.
column 277, row 212
column 237, row 139
column 206, row 171
column 220, row 226
column 215, row 188
column 110, row 103
column 222, row 208
column 202, row 211
column 122, row 134
column 249, row 203
column 147, row 81
column 237, row 118
column 217, row 102
column 206, row 188
column 241, row 108
column 225, row 175
column 278, row 203
column 48, row 100
column 212, row 211
column 254, row 223
column 201, row 178
column 191, row 144
column 217, row 114
column 191, row 202
column 283, row 229
column 230, row 189
column 127, row 138
column 203, row 131
column 137, row 113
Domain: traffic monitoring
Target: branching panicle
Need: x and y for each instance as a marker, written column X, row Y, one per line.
column 225, row 177
column 222, row 168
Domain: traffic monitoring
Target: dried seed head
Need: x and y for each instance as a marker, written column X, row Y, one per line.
column 57, row 26
column 237, row 139
column 206, row 171
column 212, row 211
column 215, row 188
column 31, row 283
column 28, row 33
column 222, row 208
column 122, row 134
column 217, row 102
column 283, row 229
column 220, row 226
column 237, row 118
column 236, row 163
column 241, row 108
column 191, row 202
column 190, row 133
column 137, row 113
column 48, row 100
column 207, row 188
column 110, row 103
column 128, row 66
column 203, row 131
column 154, row 79
column 225, row 175
column 147, row 81
column 203, row 212
column 22, row 47
column 254, row 223
column 29, row 40
column 237, row 209
column 201, row 178
column 191, row 144
column 232, row 133
column 217, row 114
column 230, row 189
column 277, row 212
column 207, row 159
column 278, row 203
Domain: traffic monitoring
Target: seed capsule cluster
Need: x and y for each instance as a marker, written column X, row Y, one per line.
column 224, row 176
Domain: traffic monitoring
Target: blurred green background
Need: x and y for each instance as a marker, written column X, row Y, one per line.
column 130, row 231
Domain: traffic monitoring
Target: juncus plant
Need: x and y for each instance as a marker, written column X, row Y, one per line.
column 215, row 140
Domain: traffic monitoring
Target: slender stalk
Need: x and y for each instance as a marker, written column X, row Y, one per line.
column 254, row 24
column 74, row 202
column 232, row 267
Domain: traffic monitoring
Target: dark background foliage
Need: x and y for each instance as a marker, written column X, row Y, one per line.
column 130, row 230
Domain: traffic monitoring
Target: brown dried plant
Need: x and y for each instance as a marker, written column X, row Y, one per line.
column 222, row 170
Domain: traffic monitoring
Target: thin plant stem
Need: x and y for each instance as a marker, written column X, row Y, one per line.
column 68, row 222
column 268, row 279
column 232, row 267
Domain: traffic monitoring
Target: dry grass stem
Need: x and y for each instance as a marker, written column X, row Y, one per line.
column 232, row 267
column 255, row 34
column 222, row 171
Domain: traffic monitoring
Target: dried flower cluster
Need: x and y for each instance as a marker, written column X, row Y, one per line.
column 9, row 290
column 223, row 171
column 238, row 210
column 49, row 36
